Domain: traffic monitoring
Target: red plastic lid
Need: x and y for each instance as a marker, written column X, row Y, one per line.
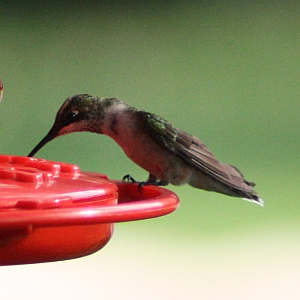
column 32, row 183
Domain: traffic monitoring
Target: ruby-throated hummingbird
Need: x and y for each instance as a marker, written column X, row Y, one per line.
column 1, row 90
column 169, row 154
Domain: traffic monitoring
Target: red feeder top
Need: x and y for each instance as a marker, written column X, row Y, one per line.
column 33, row 183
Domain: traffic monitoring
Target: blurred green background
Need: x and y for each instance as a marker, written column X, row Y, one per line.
column 225, row 72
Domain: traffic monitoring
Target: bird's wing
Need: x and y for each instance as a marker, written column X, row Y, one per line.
column 192, row 151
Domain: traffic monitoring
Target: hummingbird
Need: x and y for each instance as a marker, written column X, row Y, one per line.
column 169, row 154
column 1, row 90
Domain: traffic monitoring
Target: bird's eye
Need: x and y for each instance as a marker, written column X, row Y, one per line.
column 72, row 117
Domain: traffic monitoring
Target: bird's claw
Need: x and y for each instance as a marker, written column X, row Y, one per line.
column 141, row 184
column 128, row 178
column 155, row 183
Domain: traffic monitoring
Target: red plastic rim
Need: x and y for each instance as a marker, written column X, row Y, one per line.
column 43, row 193
column 153, row 202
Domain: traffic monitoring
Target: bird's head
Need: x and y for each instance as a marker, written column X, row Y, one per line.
column 78, row 113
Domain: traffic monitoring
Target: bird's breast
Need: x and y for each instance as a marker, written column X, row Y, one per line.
column 141, row 148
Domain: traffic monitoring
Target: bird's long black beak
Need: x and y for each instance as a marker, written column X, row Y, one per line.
column 53, row 133
column 42, row 143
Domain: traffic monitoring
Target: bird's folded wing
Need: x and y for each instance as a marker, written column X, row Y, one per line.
column 193, row 152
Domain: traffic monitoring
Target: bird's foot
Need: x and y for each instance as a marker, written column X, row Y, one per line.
column 128, row 178
column 141, row 184
column 155, row 183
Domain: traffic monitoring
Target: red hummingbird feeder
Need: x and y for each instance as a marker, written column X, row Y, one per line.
column 52, row 211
